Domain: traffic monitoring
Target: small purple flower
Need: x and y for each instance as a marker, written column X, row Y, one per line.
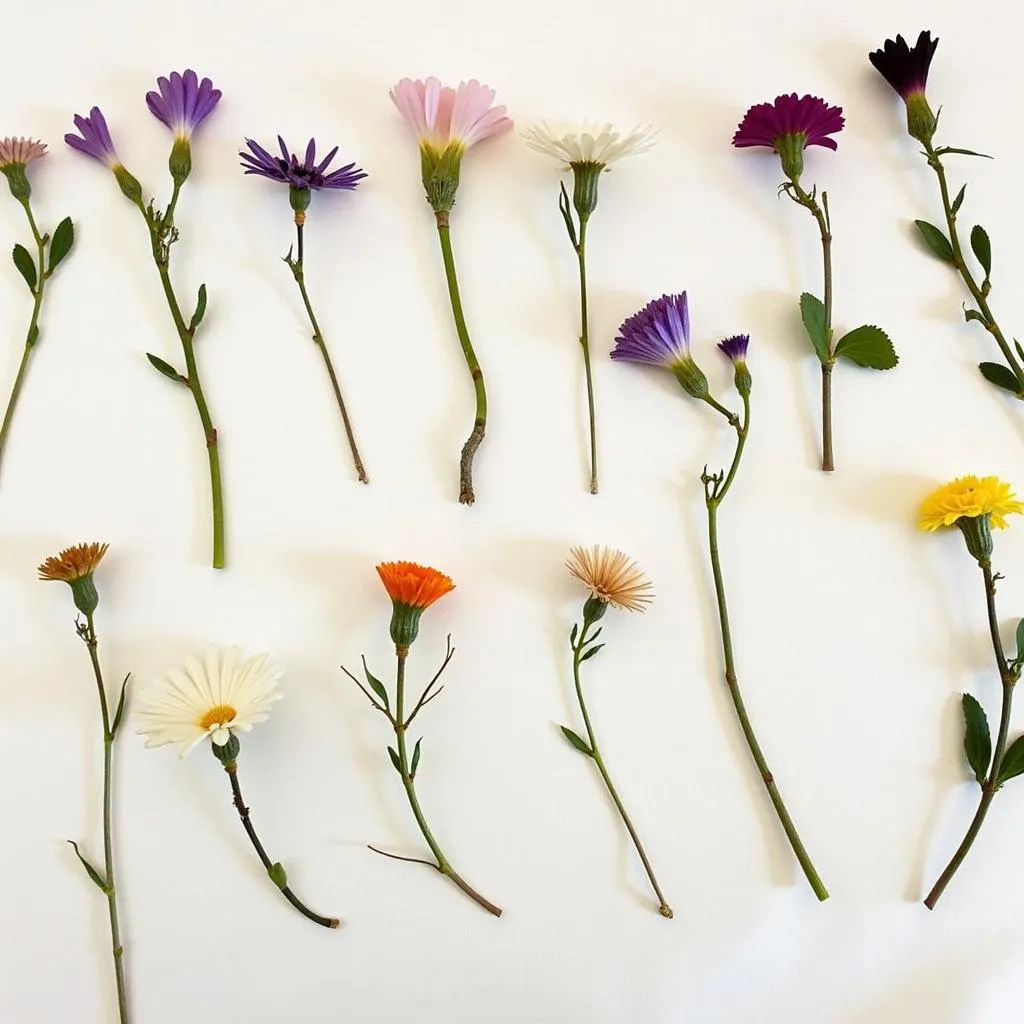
column 305, row 174
column 183, row 102
column 789, row 125
column 904, row 67
column 736, row 347
column 659, row 334
column 94, row 138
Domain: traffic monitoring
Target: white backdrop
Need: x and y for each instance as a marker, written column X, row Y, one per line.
column 855, row 633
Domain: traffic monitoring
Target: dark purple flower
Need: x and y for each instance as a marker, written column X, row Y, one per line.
column 307, row 174
column 183, row 102
column 765, row 124
column 658, row 334
column 93, row 138
column 904, row 67
column 736, row 347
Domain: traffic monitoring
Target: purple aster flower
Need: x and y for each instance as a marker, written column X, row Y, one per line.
column 183, row 102
column 736, row 347
column 905, row 68
column 94, row 138
column 304, row 174
column 789, row 125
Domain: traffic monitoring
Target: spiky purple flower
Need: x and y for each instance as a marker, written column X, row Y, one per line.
column 94, row 138
column 736, row 347
column 903, row 66
column 789, row 125
column 183, row 102
column 304, row 174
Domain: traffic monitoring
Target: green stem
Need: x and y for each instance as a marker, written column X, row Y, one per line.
column 300, row 279
column 476, row 436
column 990, row 786
column 715, row 493
column 978, row 292
column 664, row 909
column 32, row 336
column 581, row 257
column 401, row 724
column 110, row 888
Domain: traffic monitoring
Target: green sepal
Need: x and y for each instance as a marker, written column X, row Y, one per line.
column 376, row 685
column 25, row 264
column 812, row 312
column 166, row 369
column 577, row 741
column 591, row 652
column 1012, row 763
column 60, row 244
column 565, row 209
column 945, row 150
column 197, row 316
column 977, row 738
column 1001, row 376
column 958, row 202
column 89, row 869
column 935, row 240
column 415, row 758
column 868, row 346
column 119, row 713
column 573, row 634
column 394, row 760
column 278, row 875
column 974, row 314
column 982, row 247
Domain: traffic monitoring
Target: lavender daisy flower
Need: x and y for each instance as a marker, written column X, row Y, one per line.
column 905, row 68
column 94, row 140
column 183, row 102
column 789, row 125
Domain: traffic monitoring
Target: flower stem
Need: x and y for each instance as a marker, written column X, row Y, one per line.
column 978, row 292
column 243, row 812
column 990, row 786
column 581, row 257
column 32, row 335
column 577, row 648
column 298, row 273
column 400, row 724
column 716, row 488
column 109, row 888
column 476, row 436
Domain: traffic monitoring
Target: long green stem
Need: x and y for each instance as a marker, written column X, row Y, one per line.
column 401, row 724
column 716, row 489
column 32, row 335
column 978, row 292
column 110, row 888
column 990, row 786
column 664, row 909
column 476, row 436
column 581, row 258
column 298, row 273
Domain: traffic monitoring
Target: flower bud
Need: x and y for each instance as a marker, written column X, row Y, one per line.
column 692, row 378
column 128, row 183
column 17, row 180
column 180, row 162
column 921, row 121
column 586, row 177
column 790, row 148
column 226, row 753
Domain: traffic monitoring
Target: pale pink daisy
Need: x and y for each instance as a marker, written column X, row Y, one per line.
column 441, row 115
column 20, row 151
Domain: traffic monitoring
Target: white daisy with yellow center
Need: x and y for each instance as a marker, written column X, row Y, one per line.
column 212, row 696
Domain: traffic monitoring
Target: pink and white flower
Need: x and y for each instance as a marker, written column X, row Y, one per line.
column 442, row 116
column 20, row 151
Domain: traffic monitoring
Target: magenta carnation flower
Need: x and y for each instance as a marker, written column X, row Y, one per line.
column 789, row 125
column 903, row 66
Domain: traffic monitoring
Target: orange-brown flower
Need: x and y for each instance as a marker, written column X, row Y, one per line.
column 612, row 577
column 414, row 585
column 73, row 563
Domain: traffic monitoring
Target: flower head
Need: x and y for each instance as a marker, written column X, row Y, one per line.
column 597, row 144
column 789, row 125
column 15, row 155
column 412, row 588
column 94, row 138
column 611, row 576
column 736, row 347
column 183, row 102
column 970, row 497
column 75, row 566
column 905, row 68
column 217, row 695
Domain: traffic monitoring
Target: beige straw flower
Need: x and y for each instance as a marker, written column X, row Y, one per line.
column 611, row 576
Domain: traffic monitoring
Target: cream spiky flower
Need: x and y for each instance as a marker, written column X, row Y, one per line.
column 216, row 695
column 611, row 576
column 969, row 497
column 595, row 144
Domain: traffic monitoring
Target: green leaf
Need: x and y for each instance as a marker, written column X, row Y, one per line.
column 376, row 685
column 166, row 369
column 120, row 706
column 578, row 742
column 963, row 152
column 415, row 757
column 197, row 316
column 60, row 244
column 89, row 869
column 812, row 312
column 1019, row 348
column 958, row 202
column 1020, row 640
column 591, row 652
column 1012, row 763
column 565, row 208
column 973, row 314
column 868, row 346
column 572, row 635
column 1002, row 376
column 977, row 738
column 982, row 248
column 935, row 240
column 394, row 760
column 26, row 266
column 278, row 875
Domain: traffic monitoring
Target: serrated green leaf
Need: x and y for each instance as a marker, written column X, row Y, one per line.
column 376, row 685
column 119, row 713
column 577, row 741
column 974, row 314
column 868, row 346
column 1012, row 763
column 812, row 312
column 958, row 202
column 1002, row 376
column 415, row 757
column 60, row 244
column 982, row 247
column 935, row 240
column 166, row 369
column 591, row 652
column 977, row 738
column 25, row 264
column 394, row 760
column 197, row 316
column 89, row 869
column 278, row 875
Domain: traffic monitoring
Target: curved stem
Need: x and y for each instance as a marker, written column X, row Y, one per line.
column 581, row 258
column 664, row 909
column 476, row 436
column 715, row 495
column 401, row 725
column 300, row 279
column 243, row 812
column 990, row 786
column 110, row 888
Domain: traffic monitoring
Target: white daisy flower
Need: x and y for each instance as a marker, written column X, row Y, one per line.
column 215, row 695
column 599, row 144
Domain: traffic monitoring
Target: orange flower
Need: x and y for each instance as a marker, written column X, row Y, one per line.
column 414, row 585
column 73, row 563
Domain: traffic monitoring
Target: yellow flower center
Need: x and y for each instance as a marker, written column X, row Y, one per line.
column 221, row 714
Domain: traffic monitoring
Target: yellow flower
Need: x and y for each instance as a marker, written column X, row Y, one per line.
column 969, row 497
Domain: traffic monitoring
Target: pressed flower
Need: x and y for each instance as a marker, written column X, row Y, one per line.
column 412, row 588
column 183, row 102
column 611, row 576
column 969, row 496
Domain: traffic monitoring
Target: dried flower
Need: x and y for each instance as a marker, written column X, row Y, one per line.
column 611, row 576
column 73, row 563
